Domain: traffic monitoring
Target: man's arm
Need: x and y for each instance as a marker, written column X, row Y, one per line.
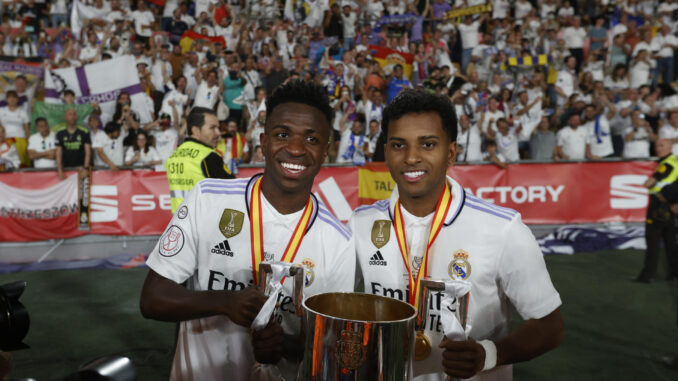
column 88, row 155
column 163, row 299
column 59, row 160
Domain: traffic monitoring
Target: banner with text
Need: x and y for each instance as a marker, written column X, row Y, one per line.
column 37, row 206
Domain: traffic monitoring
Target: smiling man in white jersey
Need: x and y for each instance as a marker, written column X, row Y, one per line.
column 225, row 228
column 431, row 227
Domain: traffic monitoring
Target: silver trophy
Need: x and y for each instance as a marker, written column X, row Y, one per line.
column 358, row 337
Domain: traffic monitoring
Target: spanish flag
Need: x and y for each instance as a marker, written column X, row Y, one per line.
column 388, row 58
column 189, row 36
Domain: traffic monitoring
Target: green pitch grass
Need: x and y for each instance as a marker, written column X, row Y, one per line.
column 615, row 329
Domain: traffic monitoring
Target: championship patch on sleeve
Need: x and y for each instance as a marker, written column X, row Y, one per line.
column 171, row 242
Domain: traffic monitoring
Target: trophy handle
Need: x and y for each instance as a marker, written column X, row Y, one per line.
column 296, row 271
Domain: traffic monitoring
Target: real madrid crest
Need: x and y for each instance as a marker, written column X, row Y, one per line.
column 459, row 268
column 309, row 275
column 230, row 223
column 381, row 233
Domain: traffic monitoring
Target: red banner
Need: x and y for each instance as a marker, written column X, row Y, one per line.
column 138, row 203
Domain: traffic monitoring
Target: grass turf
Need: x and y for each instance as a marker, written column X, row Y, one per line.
column 615, row 329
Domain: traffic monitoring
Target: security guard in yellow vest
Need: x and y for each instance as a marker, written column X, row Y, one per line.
column 196, row 158
column 659, row 223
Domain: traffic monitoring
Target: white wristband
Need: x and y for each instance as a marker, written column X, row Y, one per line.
column 490, row 354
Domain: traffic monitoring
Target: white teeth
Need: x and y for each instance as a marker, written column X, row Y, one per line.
column 414, row 174
column 293, row 167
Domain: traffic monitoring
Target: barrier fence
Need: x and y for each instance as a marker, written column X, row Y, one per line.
column 38, row 206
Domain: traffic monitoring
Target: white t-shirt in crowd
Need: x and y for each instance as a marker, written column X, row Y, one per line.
column 565, row 80
column 490, row 247
column 522, row 8
column 669, row 132
column 143, row 18
column 39, row 143
column 500, row 9
column 165, row 143
column 639, row 146
column 14, row 122
column 640, row 73
column 144, row 157
column 194, row 249
column 661, row 40
column 469, row 35
column 471, row 142
column 206, row 96
column 113, row 148
column 600, row 142
column 574, row 37
column 507, row 145
column 573, row 142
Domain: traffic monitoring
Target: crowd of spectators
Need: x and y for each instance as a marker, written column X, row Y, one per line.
column 541, row 80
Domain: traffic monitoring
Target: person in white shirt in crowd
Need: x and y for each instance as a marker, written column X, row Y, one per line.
column 143, row 22
column 506, row 138
column 618, row 81
column 166, row 138
column 574, row 37
column 566, row 11
column 9, row 157
column 667, row 44
column 91, row 52
column 161, row 69
column 354, row 145
column 468, row 32
column 566, row 81
column 637, row 137
column 209, row 89
column 647, row 43
column 469, row 141
column 528, row 114
column 374, row 106
column 500, row 9
column 42, row 145
column 641, row 69
column 521, row 9
column 571, row 141
column 490, row 116
column 349, row 19
column 175, row 102
column 109, row 148
column 493, row 156
column 16, row 120
column 597, row 121
column 670, row 130
column 142, row 153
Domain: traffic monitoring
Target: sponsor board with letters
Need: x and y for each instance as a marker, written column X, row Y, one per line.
column 138, row 203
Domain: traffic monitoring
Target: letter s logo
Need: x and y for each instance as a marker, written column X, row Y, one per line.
column 628, row 192
column 104, row 209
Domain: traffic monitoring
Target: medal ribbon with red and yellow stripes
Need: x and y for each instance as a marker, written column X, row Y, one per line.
column 443, row 206
column 257, row 231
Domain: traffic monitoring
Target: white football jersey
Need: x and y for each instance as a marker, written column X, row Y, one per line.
column 480, row 242
column 207, row 244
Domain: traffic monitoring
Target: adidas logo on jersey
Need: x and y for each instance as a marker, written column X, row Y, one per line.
column 222, row 248
column 377, row 259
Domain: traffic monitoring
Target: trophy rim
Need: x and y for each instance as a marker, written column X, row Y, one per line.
column 412, row 316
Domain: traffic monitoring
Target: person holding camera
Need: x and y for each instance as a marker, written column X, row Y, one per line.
column 637, row 137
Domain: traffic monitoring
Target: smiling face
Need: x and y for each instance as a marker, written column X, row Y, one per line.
column 295, row 144
column 418, row 152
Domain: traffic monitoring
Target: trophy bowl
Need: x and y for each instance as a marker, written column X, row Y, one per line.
column 355, row 336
